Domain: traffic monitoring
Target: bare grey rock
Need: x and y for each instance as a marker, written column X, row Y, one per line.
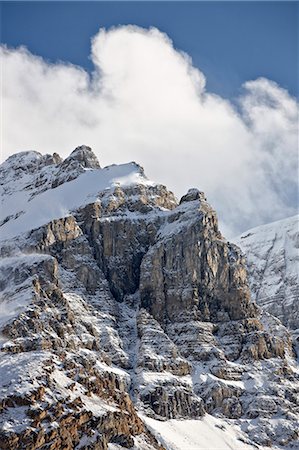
column 132, row 303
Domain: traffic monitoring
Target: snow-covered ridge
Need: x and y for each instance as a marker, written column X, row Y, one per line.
column 36, row 189
column 134, row 311
column 272, row 253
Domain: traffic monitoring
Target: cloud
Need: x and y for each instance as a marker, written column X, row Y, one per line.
column 145, row 101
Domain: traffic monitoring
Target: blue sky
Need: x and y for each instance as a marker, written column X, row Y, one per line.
column 231, row 42
column 226, row 123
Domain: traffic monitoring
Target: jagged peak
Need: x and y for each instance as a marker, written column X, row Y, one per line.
column 193, row 194
column 84, row 156
column 27, row 162
column 27, row 155
column 139, row 168
column 31, row 158
column 27, row 159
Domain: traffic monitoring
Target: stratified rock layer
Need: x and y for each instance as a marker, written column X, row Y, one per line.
column 128, row 303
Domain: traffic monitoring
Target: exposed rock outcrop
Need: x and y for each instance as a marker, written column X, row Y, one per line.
column 127, row 303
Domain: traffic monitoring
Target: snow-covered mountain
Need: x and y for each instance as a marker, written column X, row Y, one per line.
column 126, row 318
column 272, row 253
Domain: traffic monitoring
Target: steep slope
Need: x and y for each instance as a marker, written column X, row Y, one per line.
column 118, row 303
column 272, row 253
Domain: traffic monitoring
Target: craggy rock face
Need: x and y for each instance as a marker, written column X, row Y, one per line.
column 130, row 303
column 192, row 269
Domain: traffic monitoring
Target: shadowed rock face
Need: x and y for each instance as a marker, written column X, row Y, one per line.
column 133, row 303
column 82, row 156
column 191, row 268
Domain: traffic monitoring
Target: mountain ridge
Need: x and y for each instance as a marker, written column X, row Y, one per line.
column 129, row 304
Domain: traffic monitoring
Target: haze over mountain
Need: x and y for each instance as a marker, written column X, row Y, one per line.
column 146, row 101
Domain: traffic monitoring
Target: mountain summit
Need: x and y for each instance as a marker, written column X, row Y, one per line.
column 123, row 311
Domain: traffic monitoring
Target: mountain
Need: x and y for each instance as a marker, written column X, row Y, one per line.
column 126, row 318
column 272, row 253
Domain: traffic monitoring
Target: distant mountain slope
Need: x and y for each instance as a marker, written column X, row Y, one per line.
column 272, row 253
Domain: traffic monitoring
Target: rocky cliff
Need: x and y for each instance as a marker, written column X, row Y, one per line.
column 120, row 303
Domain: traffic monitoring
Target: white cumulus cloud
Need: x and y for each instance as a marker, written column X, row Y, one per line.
column 145, row 101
